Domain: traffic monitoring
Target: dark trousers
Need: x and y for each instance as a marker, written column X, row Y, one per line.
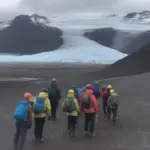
column 114, row 113
column 72, row 121
column 105, row 107
column 89, row 122
column 54, row 105
column 20, row 135
column 38, row 129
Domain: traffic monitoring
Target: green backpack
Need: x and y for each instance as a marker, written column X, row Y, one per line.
column 86, row 101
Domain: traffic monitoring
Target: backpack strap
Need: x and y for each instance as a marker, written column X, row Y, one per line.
column 74, row 104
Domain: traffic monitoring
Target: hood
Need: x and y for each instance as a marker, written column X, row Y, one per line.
column 90, row 91
column 70, row 96
column 43, row 95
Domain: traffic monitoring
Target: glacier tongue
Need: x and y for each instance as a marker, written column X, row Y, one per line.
column 75, row 49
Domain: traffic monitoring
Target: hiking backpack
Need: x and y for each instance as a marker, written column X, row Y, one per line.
column 96, row 91
column 114, row 100
column 69, row 105
column 86, row 101
column 21, row 111
column 38, row 107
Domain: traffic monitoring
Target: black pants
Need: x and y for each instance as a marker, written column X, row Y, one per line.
column 39, row 125
column 105, row 107
column 20, row 135
column 114, row 113
column 89, row 122
column 72, row 120
column 54, row 106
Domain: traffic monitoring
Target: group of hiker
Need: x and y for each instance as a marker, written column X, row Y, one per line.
column 78, row 100
column 87, row 100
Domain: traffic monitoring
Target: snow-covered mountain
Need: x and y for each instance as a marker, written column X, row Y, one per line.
column 39, row 19
column 29, row 35
column 141, row 17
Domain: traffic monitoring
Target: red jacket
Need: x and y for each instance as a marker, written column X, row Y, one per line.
column 94, row 106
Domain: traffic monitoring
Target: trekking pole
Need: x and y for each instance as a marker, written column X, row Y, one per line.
column 64, row 124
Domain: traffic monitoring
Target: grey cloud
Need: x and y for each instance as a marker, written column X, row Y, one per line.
column 52, row 7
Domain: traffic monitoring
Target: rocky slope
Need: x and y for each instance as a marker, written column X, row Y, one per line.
column 120, row 40
column 138, row 16
column 29, row 35
column 134, row 63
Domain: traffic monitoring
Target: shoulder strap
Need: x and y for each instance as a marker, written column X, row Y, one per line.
column 74, row 104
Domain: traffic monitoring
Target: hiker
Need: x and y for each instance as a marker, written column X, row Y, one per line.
column 41, row 109
column 54, row 96
column 71, row 107
column 96, row 90
column 105, row 96
column 23, row 120
column 113, row 103
column 89, row 106
column 109, row 87
column 76, row 93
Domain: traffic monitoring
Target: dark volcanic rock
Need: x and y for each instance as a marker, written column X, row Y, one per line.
column 122, row 41
column 111, row 37
column 139, row 15
column 26, row 36
column 130, row 15
column 134, row 63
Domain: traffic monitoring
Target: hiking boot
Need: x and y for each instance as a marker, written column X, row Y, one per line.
column 41, row 140
column 70, row 132
column 73, row 134
column 92, row 134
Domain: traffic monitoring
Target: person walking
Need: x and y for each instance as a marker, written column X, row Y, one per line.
column 41, row 109
column 23, row 121
column 89, row 106
column 71, row 107
column 113, row 103
column 54, row 95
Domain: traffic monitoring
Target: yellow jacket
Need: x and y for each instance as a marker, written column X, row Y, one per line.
column 47, row 105
column 77, row 108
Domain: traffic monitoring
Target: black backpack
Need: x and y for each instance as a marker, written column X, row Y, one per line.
column 69, row 106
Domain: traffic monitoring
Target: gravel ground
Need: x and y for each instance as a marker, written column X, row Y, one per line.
column 134, row 109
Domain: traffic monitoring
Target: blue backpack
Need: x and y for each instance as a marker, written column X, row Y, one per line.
column 38, row 107
column 21, row 111
column 96, row 91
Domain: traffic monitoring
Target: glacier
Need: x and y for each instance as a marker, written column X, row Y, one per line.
column 76, row 48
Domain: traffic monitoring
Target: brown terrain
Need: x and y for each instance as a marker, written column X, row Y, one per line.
column 134, row 108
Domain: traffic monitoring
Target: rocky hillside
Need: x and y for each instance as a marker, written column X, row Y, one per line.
column 135, row 63
column 138, row 16
column 29, row 35
column 122, row 41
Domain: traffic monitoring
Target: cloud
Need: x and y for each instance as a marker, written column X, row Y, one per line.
column 76, row 6
column 52, row 7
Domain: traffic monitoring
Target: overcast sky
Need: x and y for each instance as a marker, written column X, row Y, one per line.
column 9, row 8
